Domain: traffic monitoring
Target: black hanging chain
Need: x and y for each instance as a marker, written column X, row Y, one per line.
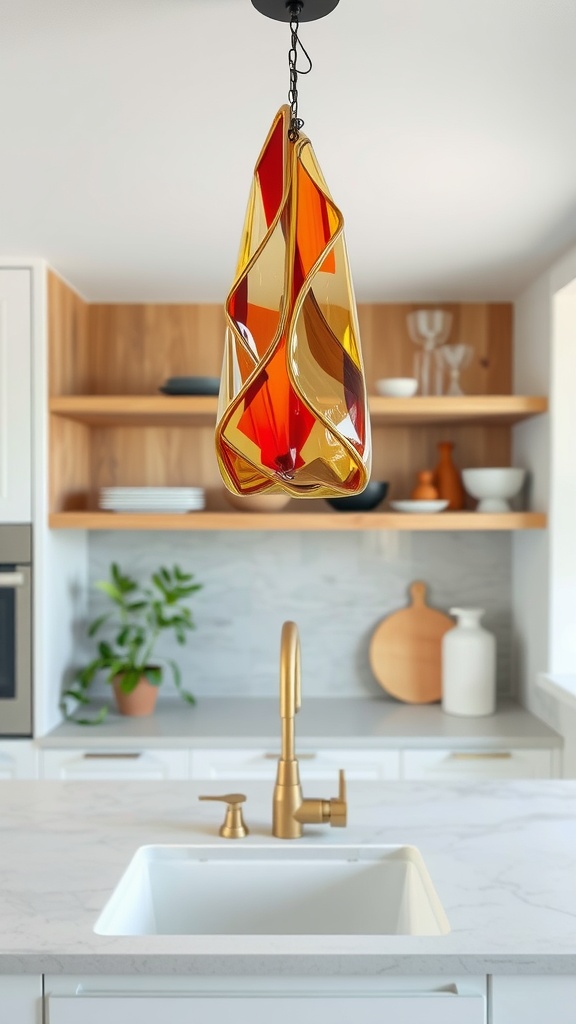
column 296, row 122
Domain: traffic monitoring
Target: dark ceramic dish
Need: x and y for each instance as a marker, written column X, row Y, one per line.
column 371, row 496
column 191, row 386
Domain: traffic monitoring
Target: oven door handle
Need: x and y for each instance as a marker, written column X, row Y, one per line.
column 8, row 580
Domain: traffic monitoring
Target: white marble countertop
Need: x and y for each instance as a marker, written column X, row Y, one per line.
column 502, row 856
column 344, row 722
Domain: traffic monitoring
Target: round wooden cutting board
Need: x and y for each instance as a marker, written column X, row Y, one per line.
column 406, row 650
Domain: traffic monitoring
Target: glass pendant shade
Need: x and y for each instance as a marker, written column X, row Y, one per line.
column 293, row 412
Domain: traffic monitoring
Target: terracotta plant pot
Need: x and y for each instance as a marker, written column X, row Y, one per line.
column 140, row 702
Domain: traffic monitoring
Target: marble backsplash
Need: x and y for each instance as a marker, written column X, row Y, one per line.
column 336, row 586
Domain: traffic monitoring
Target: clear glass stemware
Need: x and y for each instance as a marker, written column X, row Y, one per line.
column 453, row 358
column 428, row 328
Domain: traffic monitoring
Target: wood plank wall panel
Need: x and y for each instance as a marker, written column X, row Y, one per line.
column 158, row 456
column 389, row 352
column 134, row 348
column 68, row 374
column 68, row 342
column 71, row 486
column 131, row 349
column 399, row 452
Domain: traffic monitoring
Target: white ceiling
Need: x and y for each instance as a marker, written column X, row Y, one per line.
column 445, row 129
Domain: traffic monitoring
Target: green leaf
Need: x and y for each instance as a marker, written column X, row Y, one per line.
column 158, row 582
column 69, row 712
column 124, row 583
column 153, row 674
column 129, row 681
column 95, row 626
column 106, row 652
column 182, row 577
column 78, row 695
column 117, row 668
column 113, row 592
column 177, row 676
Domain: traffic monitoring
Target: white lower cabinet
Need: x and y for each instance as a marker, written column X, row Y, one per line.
column 334, row 1000
column 141, row 765
column 517, row 763
column 533, row 999
column 18, row 759
column 21, row 999
column 244, row 765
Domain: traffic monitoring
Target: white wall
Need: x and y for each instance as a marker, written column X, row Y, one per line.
column 544, row 564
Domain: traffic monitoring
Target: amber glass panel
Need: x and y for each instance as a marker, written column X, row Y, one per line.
column 293, row 411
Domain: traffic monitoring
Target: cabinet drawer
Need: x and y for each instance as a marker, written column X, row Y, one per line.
column 18, row 760
column 21, row 999
column 531, row 999
column 115, row 764
column 395, row 1008
column 249, row 765
column 472, row 764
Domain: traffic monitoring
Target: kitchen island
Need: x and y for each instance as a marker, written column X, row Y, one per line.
column 501, row 855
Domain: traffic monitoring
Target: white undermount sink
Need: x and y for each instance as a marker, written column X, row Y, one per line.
column 263, row 890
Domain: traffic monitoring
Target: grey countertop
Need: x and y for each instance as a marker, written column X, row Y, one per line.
column 501, row 855
column 322, row 722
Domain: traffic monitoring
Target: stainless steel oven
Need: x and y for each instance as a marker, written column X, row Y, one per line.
column 15, row 631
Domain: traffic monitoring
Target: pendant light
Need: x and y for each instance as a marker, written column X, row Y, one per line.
column 293, row 413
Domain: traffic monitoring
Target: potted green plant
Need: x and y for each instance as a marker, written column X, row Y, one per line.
column 141, row 613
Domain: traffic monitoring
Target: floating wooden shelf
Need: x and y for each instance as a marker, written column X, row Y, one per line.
column 299, row 520
column 163, row 410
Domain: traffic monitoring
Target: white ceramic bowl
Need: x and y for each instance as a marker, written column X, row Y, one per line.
column 257, row 502
column 397, row 387
column 492, row 487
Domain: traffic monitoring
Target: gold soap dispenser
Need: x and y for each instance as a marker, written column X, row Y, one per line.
column 234, row 826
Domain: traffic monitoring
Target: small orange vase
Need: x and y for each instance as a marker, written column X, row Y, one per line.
column 447, row 478
column 140, row 702
column 425, row 489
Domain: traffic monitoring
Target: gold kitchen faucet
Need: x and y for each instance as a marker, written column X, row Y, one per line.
column 290, row 809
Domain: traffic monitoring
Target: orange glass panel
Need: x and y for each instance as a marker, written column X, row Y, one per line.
column 292, row 411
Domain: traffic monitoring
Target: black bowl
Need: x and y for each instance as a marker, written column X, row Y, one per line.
column 374, row 492
column 191, row 386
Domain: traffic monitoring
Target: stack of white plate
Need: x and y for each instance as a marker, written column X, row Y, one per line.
column 154, row 500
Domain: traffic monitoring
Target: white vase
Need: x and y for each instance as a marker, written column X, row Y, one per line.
column 468, row 666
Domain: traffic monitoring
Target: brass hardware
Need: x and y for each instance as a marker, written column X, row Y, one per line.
column 112, row 756
column 234, row 826
column 290, row 810
column 488, row 755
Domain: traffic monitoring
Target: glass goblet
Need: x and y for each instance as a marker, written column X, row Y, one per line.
column 428, row 328
column 454, row 358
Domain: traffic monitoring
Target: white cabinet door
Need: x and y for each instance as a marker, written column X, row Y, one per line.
column 470, row 764
column 15, row 397
column 21, row 999
column 529, row 999
column 242, row 765
column 115, row 764
column 18, row 760
column 401, row 1008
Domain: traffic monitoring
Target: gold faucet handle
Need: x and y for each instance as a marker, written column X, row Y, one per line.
column 338, row 804
column 234, row 826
